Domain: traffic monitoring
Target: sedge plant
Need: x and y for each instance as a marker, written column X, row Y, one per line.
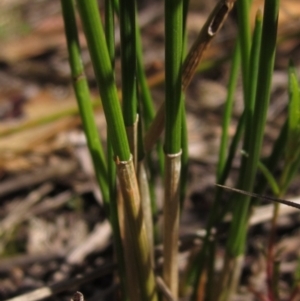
column 133, row 129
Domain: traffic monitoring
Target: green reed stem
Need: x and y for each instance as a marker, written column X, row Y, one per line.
column 245, row 40
column 112, row 174
column 173, row 61
column 146, row 98
column 235, row 245
column 172, row 147
column 222, row 170
column 128, row 58
column 83, row 99
column 147, row 111
column 272, row 161
column 252, row 85
column 91, row 22
column 228, row 111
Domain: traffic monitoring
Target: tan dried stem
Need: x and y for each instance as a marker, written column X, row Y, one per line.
column 146, row 205
column 164, row 289
column 132, row 281
column 138, row 252
column 171, row 221
column 226, row 289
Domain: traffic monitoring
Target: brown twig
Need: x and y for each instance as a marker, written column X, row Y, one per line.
column 47, row 291
column 262, row 197
column 22, row 261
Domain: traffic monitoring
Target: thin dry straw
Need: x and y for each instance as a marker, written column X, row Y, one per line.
column 262, row 197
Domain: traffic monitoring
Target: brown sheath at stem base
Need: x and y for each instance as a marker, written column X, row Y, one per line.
column 135, row 238
column 171, row 221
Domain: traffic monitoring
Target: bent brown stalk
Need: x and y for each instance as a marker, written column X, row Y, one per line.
column 211, row 27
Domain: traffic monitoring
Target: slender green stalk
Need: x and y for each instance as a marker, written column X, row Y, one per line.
column 236, row 240
column 292, row 172
column 291, row 164
column 147, row 108
column 272, row 264
column 90, row 17
column 128, row 59
column 293, row 117
column 184, row 135
column 238, row 229
column 254, row 134
column 222, row 171
column 173, row 111
column 185, row 9
column 245, row 40
column 210, row 290
column 272, row 161
column 147, row 114
column 233, row 147
column 110, row 30
column 247, row 117
column 228, row 111
column 252, row 84
column 269, row 177
column 292, row 148
column 146, row 98
column 110, row 39
column 173, row 59
column 84, row 100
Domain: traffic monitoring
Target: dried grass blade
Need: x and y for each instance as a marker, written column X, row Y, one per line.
column 262, row 197
column 213, row 24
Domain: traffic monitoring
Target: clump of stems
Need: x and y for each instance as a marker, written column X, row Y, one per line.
column 133, row 129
